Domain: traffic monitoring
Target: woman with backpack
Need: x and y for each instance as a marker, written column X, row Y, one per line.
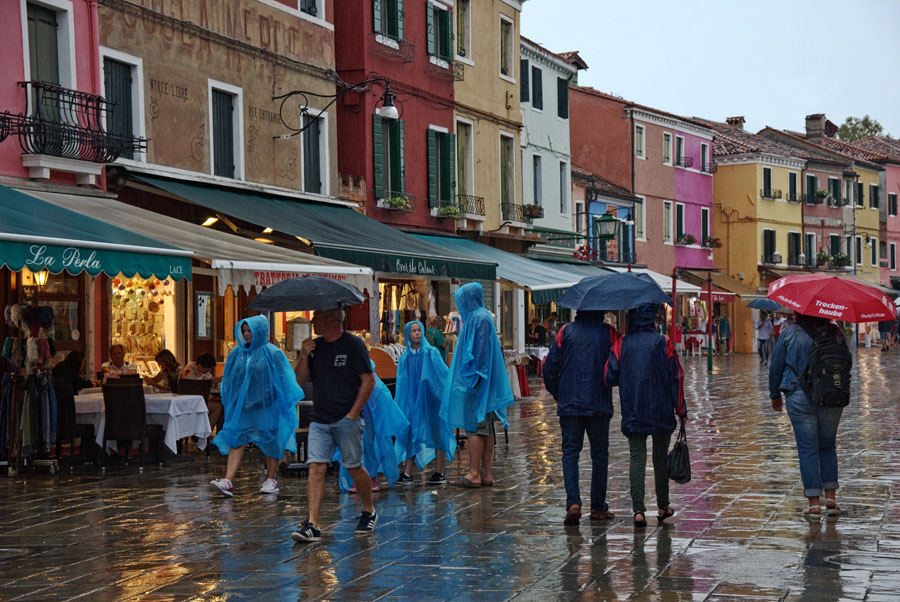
column 809, row 348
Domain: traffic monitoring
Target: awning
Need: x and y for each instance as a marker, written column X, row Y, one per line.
column 726, row 283
column 40, row 235
column 581, row 270
column 239, row 262
column 665, row 282
column 334, row 231
column 545, row 282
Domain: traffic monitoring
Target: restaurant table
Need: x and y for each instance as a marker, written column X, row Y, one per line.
column 148, row 390
column 179, row 415
column 694, row 341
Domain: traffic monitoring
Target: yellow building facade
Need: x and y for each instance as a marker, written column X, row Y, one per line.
column 488, row 117
column 861, row 224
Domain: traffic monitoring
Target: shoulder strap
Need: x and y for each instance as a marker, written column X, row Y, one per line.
column 559, row 335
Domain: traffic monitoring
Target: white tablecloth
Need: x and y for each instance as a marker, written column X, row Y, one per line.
column 148, row 390
column 538, row 352
column 179, row 415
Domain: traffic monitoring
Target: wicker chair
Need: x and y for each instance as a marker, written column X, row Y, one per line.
column 126, row 417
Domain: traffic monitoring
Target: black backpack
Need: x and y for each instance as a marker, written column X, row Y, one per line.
column 826, row 379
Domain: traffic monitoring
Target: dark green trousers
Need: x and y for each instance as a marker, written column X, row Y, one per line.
column 637, row 469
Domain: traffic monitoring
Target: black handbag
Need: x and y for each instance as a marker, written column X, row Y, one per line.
column 678, row 462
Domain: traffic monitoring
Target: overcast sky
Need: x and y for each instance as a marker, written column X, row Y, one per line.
column 772, row 61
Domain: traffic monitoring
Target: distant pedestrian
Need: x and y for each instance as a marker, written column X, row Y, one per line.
column 551, row 324
column 573, row 375
column 259, row 395
column 764, row 330
column 885, row 332
column 338, row 364
column 646, row 369
column 815, row 425
column 478, row 390
column 435, row 337
column 724, row 332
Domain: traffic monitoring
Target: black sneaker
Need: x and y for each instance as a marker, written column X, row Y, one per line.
column 437, row 478
column 366, row 522
column 307, row 533
column 405, row 479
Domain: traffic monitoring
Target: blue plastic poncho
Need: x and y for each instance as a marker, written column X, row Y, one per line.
column 479, row 383
column 259, row 394
column 422, row 377
column 384, row 421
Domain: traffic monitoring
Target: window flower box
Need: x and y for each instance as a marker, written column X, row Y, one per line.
column 712, row 242
column 686, row 239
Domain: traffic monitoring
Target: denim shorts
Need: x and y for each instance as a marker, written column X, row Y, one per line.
column 345, row 434
column 485, row 428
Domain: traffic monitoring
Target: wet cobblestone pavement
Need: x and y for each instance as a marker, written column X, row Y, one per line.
column 739, row 533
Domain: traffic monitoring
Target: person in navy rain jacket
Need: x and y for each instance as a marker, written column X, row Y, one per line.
column 646, row 369
column 573, row 374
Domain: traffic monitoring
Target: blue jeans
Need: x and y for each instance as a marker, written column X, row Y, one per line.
column 573, row 429
column 815, row 430
column 763, row 345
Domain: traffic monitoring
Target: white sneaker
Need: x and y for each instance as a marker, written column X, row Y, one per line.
column 223, row 486
column 270, row 486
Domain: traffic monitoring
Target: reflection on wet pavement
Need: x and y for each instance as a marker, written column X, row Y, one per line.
column 739, row 533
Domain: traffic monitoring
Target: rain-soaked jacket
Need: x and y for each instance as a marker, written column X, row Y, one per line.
column 573, row 371
column 259, row 394
column 479, row 383
column 422, row 378
column 790, row 357
column 651, row 383
column 384, row 421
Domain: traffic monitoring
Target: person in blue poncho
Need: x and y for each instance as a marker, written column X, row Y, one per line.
column 259, row 394
column 384, row 422
column 421, row 379
column 478, row 390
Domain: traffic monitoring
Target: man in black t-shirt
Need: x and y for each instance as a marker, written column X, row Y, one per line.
column 338, row 364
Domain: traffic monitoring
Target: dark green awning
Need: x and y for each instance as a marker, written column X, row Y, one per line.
column 334, row 231
column 38, row 235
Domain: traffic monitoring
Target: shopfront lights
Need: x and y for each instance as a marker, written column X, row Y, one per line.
column 210, row 221
column 267, row 231
column 40, row 279
column 268, row 241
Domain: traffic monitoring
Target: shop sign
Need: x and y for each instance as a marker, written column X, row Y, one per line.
column 421, row 267
column 261, row 279
column 718, row 297
column 69, row 258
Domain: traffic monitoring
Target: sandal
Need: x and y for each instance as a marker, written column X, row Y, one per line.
column 665, row 513
column 812, row 512
column 642, row 522
column 573, row 516
column 832, row 507
column 602, row 515
column 466, row 483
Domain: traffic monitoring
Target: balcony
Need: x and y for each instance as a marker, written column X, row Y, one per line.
column 684, row 161
column 533, row 211
column 797, row 260
column 445, row 210
column 771, row 258
column 470, row 206
column 708, row 168
column 514, row 212
column 839, row 261
column 64, row 131
column 445, row 67
column 397, row 201
column 810, row 198
column 382, row 43
column 794, row 197
column 770, row 193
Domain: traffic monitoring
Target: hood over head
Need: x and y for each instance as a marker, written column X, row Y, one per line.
column 259, row 326
column 406, row 328
column 641, row 319
column 590, row 315
column 469, row 298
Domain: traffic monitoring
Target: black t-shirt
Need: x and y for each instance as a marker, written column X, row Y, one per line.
column 335, row 369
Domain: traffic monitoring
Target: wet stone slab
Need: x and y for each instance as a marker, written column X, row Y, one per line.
column 739, row 533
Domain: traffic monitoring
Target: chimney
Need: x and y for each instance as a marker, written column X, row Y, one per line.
column 815, row 127
column 737, row 122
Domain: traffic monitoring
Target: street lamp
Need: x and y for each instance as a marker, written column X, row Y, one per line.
column 607, row 226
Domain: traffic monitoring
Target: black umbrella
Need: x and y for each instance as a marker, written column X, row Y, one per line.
column 622, row 290
column 307, row 293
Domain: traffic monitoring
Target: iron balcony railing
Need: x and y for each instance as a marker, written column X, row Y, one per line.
column 470, row 204
column 382, row 43
column 794, row 197
column 771, row 258
column 66, row 123
column 684, row 161
column 794, row 260
column 770, row 193
column 708, row 168
column 514, row 213
column 533, row 211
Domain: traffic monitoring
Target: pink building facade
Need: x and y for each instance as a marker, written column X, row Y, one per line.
column 692, row 213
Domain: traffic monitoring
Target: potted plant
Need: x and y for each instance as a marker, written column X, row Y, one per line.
column 712, row 242
column 839, row 260
column 821, row 195
column 533, row 210
column 822, row 258
column 398, row 202
column 687, row 239
column 449, row 211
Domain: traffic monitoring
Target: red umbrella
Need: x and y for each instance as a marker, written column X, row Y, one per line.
column 832, row 297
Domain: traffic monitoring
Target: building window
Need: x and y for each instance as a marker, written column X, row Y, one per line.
column 793, row 248
column 310, row 7
column 389, row 157
column 704, row 224
column 873, row 196
column 465, row 162
column 579, row 217
column 893, row 256
column 524, row 88
column 667, row 148
column 873, row 250
column 882, row 252
column 225, row 106
column 812, row 184
column 639, row 218
column 463, row 28
column 537, row 183
column 441, row 162
column 810, row 249
column 834, row 189
column 507, row 170
column 704, row 157
column 679, row 220
column 667, row 221
column 563, row 188
column 440, row 32
column 792, row 187
column 639, row 141
column 562, row 97
column 387, row 18
column 769, row 248
column 835, row 245
column 43, row 45
column 679, row 150
column 892, row 204
column 537, row 88
column 506, row 48
column 313, row 153
column 859, row 194
column 848, row 192
column 120, row 87
column 767, row 183
column 857, row 250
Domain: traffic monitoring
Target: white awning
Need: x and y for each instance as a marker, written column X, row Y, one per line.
column 665, row 282
column 238, row 261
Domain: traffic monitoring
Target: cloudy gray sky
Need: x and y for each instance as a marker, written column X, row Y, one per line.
column 772, row 61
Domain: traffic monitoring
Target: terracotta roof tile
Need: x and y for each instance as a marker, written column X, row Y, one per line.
column 633, row 105
column 846, row 149
column 565, row 57
column 882, row 145
column 732, row 140
column 601, row 183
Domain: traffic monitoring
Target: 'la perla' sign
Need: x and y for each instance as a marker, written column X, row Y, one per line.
column 70, row 257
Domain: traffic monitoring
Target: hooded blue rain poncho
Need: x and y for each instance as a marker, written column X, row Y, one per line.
column 259, row 394
column 479, row 383
column 384, row 421
column 422, row 377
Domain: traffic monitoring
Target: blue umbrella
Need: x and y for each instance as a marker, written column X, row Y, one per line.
column 766, row 304
column 622, row 290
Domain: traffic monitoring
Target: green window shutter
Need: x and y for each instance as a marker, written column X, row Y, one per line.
column 562, row 97
column 398, row 167
column 378, row 157
column 537, row 88
column 446, row 40
column 523, row 80
column 431, row 46
column 398, row 17
column 117, row 88
column 448, row 163
column 377, row 15
column 432, row 169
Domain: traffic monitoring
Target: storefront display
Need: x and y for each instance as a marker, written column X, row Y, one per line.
column 142, row 318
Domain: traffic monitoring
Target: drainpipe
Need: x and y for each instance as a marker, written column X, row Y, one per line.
column 96, row 84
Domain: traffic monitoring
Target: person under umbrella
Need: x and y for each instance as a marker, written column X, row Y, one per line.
column 259, row 394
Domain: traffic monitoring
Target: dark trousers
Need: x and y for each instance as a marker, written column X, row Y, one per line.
column 637, row 470
column 573, row 430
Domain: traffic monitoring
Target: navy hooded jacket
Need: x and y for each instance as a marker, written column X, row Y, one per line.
column 573, row 372
column 651, row 383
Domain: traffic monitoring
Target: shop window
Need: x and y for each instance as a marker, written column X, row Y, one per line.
column 64, row 294
column 387, row 18
column 441, row 165
column 313, row 152
column 390, row 169
column 142, row 318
